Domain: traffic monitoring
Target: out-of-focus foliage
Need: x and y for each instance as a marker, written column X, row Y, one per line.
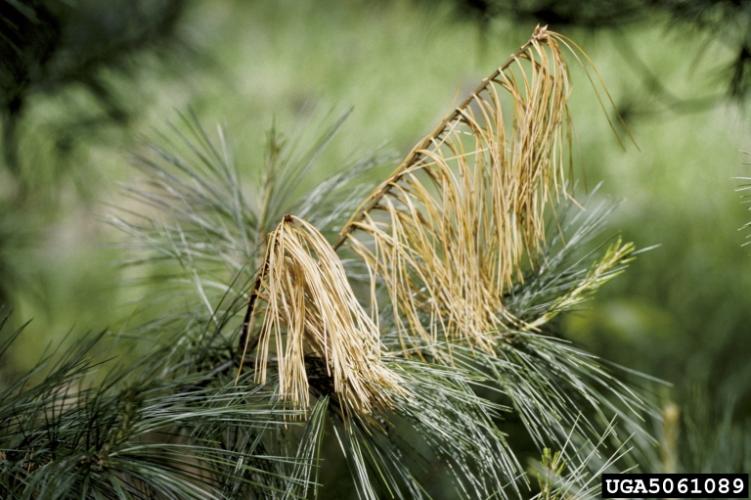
column 69, row 73
column 724, row 23
column 47, row 46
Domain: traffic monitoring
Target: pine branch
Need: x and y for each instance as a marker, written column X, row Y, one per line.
column 135, row 436
column 370, row 387
column 447, row 232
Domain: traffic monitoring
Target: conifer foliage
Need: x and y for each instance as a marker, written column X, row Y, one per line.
column 392, row 330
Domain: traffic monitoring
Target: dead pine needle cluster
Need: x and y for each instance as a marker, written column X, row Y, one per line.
column 311, row 310
column 445, row 236
column 449, row 232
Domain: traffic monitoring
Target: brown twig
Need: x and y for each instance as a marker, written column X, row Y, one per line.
column 467, row 205
column 243, row 343
column 540, row 33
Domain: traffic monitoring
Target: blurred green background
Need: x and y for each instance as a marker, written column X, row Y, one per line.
column 681, row 313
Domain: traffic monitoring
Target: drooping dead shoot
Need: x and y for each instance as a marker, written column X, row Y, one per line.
column 310, row 312
column 450, row 231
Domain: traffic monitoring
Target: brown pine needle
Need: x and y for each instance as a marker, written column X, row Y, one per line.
column 449, row 231
column 312, row 312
